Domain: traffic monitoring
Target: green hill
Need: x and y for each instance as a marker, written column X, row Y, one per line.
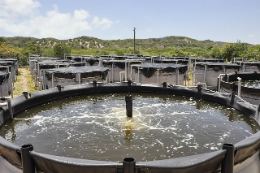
column 95, row 43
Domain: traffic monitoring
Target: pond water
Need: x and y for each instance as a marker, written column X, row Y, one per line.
column 96, row 127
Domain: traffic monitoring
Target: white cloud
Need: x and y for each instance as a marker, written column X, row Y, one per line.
column 103, row 23
column 23, row 18
column 13, row 8
column 81, row 14
column 252, row 35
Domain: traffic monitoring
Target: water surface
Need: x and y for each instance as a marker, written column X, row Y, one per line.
column 96, row 127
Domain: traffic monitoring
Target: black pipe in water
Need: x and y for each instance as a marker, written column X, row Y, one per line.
column 129, row 106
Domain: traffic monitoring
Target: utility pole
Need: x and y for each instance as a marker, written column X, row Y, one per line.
column 134, row 40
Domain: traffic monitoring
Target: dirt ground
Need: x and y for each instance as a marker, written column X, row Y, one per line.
column 24, row 82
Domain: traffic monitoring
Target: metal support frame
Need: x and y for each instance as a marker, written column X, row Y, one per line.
column 79, row 76
column 219, row 80
column 38, row 69
column 112, row 72
column 177, row 77
column 138, row 75
column 40, row 86
column 239, row 87
column 205, row 73
column 52, row 80
column 186, row 76
column 11, row 89
column 125, row 70
column 158, row 76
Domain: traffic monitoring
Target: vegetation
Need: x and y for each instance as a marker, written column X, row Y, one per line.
column 95, row 43
column 60, row 49
column 21, row 47
column 24, row 82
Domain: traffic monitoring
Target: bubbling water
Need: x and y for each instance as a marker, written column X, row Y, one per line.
column 96, row 127
column 251, row 84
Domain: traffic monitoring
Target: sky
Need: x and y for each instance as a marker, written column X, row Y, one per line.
column 217, row 20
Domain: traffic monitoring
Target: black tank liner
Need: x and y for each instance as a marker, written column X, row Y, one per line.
column 177, row 61
column 184, row 58
column 69, row 72
column 206, row 60
column 121, row 63
column 9, row 59
column 92, row 60
column 6, row 63
column 148, row 69
column 4, row 76
column 44, row 58
column 217, row 66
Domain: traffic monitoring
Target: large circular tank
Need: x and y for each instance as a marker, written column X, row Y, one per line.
column 244, row 156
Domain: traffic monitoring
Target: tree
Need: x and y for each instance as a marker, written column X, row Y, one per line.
column 26, row 51
column 6, row 51
column 228, row 51
column 60, row 49
column 2, row 40
column 215, row 52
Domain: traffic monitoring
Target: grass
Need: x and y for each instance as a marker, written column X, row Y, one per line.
column 190, row 76
column 24, row 82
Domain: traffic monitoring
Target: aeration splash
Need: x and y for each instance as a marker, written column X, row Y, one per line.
column 96, row 127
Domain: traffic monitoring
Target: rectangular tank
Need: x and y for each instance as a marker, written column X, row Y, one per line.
column 208, row 72
column 157, row 73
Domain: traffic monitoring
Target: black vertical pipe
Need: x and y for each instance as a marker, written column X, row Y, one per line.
column 225, row 78
column 129, row 106
column 218, row 85
column 129, row 82
column 129, row 165
column 199, row 88
column 227, row 165
column 25, row 95
column 164, row 84
column 232, row 97
column 10, row 108
column 59, row 87
column 234, row 87
column 94, row 83
column 27, row 162
column 134, row 40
